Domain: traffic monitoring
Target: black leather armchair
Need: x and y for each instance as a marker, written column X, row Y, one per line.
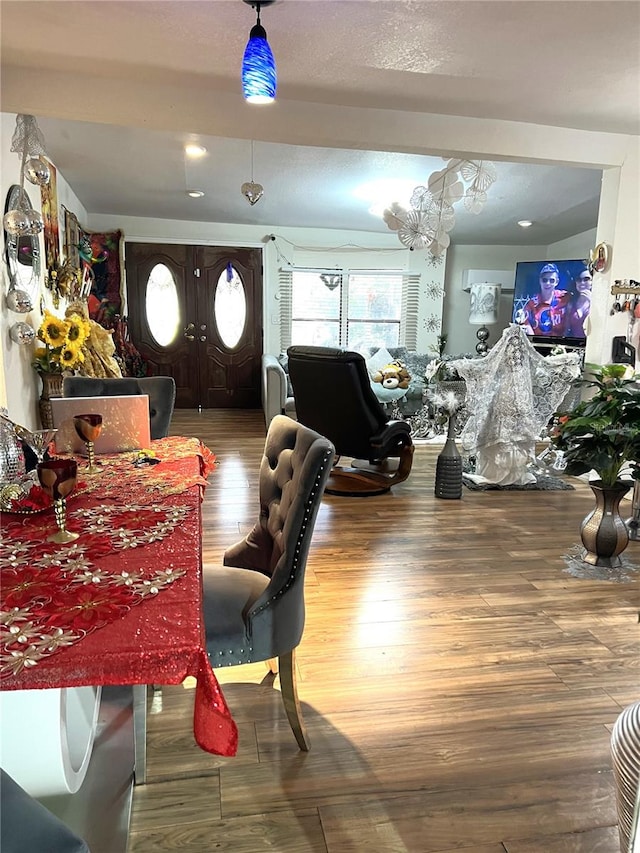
column 333, row 396
column 161, row 391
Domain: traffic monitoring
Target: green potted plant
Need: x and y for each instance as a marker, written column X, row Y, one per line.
column 602, row 434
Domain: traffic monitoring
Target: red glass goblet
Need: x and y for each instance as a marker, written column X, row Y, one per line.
column 89, row 428
column 58, row 479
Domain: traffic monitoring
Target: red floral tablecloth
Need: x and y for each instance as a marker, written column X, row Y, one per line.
column 121, row 604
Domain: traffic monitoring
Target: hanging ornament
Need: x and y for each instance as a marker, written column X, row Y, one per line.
column 416, row 232
column 19, row 301
column 251, row 190
column 432, row 215
column 479, row 173
column 36, row 170
column 16, row 222
column 475, row 200
column 22, row 333
column 395, row 216
column 28, row 142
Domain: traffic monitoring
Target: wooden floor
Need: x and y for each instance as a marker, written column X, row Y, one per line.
column 458, row 686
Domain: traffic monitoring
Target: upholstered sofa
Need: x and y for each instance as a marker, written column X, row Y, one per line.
column 277, row 394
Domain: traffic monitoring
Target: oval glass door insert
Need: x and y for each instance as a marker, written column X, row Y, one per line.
column 230, row 307
column 161, row 305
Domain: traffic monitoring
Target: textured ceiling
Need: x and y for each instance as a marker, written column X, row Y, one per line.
column 569, row 64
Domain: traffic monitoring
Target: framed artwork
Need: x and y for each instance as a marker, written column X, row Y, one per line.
column 72, row 235
column 49, row 199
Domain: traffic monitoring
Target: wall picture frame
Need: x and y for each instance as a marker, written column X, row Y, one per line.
column 72, row 236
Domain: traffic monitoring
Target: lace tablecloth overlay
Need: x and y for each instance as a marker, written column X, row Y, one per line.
column 121, row 604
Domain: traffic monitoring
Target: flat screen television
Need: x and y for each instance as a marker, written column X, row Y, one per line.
column 552, row 300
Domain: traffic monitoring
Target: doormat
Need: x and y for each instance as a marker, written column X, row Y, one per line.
column 627, row 572
column 543, row 483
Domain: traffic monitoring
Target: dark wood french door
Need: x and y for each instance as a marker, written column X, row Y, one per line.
column 210, row 299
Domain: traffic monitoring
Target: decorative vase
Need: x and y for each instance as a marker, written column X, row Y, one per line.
column 448, row 483
column 603, row 532
column 51, row 387
column 625, row 752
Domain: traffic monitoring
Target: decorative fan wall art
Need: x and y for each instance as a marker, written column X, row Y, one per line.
column 431, row 216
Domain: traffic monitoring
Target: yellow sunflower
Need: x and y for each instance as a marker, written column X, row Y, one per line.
column 53, row 330
column 78, row 331
column 71, row 356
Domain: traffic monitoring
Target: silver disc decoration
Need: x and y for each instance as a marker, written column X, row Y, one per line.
column 22, row 333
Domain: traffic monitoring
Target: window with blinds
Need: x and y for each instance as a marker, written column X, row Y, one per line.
column 354, row 309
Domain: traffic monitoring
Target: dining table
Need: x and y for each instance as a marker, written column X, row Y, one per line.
column 122, row 604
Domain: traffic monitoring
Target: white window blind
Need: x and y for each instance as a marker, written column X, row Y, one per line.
column 350, row 308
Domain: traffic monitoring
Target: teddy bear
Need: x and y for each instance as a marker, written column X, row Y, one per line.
column 393, row 376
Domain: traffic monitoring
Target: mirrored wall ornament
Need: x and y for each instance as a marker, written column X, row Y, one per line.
column 28, row 142
column 22, row 333
column 36, row 170
column 19, row 301
column 23, row 221
column 21, row 252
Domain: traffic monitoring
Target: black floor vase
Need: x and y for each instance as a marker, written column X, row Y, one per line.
column 448, row 483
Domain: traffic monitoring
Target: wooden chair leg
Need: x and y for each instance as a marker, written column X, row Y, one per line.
column 272, row 665
column 290, row 699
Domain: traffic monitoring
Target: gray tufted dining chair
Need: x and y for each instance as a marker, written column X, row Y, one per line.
column 254, row 604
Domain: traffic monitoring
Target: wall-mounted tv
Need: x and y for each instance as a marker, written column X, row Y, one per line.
column 552, row 300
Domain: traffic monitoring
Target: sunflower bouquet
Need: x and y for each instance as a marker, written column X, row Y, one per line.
column 62, row 341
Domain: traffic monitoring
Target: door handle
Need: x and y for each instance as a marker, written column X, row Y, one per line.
column 187, row 332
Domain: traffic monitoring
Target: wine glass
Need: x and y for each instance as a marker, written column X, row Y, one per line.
column 58, row 479
column 38, row 439
column 89, row 428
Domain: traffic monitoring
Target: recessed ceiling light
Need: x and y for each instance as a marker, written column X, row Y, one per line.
column 195, row 193
column 195, row 151
column 525, row 223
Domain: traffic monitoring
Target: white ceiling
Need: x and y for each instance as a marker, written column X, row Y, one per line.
column 118, row 87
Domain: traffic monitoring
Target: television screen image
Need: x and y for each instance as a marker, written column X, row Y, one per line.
column 552, row 300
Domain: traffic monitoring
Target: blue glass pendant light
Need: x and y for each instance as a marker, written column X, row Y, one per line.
column 258, row 64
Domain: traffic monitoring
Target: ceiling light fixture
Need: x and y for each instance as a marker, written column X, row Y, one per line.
column 258, row 65
column 525, row 223
column 192, row 149
column 195, row 193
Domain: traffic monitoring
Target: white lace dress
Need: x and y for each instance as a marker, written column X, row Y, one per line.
column 511, row 394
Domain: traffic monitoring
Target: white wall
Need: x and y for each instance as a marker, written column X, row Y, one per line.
column 577, row 246
column 315, row 247
column 19, row 383
column 619, row 226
